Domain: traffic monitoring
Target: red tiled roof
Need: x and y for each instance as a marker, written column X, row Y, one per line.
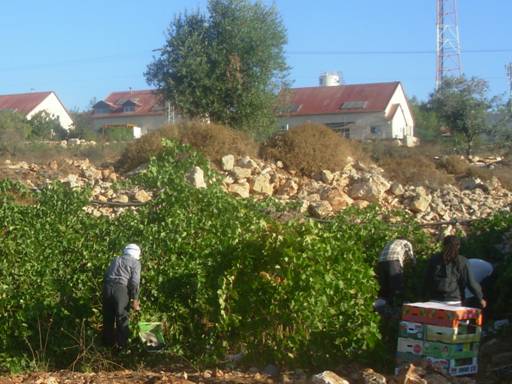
column 146, row 102
column 330, row 100
column 22, row 102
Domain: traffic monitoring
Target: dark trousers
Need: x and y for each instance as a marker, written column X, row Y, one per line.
column 390, row 276
column 116, row 306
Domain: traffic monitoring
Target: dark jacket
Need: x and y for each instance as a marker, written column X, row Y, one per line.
column 446, row 282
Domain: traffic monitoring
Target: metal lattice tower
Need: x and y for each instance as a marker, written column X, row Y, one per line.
column 508, row 68
column 448, row 62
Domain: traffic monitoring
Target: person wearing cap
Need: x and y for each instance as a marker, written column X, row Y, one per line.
column 120, row 292
column 390, row 271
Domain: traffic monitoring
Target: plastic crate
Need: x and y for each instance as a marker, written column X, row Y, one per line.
column 463, row 333
column 412, row 346
column 411, row 330
column 441, row 314
column 450, row 351
column 455, row 367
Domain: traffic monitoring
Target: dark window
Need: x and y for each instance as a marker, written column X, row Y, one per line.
column 375, row 130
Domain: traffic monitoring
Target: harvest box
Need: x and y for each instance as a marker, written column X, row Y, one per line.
column 441, row 314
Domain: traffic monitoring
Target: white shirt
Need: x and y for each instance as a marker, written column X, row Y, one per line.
column 480, row 270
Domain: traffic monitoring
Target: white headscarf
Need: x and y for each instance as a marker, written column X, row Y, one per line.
column 132, row 250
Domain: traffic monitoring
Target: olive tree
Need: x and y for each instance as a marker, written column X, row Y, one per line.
column 462, row 104
column 226, row 65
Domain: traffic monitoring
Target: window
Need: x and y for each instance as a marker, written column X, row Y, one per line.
column 345, row 132
column 358, row 104
column 375, row 130
column 128, row 108
column 101, row 110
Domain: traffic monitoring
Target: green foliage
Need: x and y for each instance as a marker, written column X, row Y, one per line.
column 462, row 104
column 426, row 122
column 226, row 65
column 46, row 127
column 223, row 275
column 121, row 133
column 14, row 128
column 83, row 126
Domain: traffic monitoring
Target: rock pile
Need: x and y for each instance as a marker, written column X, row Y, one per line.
column 329, row 192
column 321, row 196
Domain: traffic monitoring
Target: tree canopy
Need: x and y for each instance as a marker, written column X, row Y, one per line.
column 462, row 104
column 226, row 65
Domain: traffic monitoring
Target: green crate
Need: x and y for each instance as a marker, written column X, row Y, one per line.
column 450, row 351
column 152, row 334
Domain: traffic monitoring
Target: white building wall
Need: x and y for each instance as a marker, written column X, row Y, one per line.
column 363, row 123
column 406, row 119
column 54, row 107
column 146, row 123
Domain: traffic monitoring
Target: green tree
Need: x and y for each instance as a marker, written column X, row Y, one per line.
column 426, row 121
column 46, row 127
column 226, row 65
column 14, row 129
column 462, row 104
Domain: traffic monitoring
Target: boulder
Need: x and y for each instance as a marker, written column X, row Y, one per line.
column 326, row 176
column 261, row 184
column 122, row 199
column 320, row 209
column 241, row 173
column 369, row 188
column 328, row 377
column 228, row 162
column 289, row 188
column 240, row 189
column 247, row 162
column 421, row 201
column 372, row 377
column 196, row 177
column 142, row 196
column 397, row 189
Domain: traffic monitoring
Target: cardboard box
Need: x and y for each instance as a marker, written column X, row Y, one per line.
column 455, row 367
column 412, row 346
column 464, row 333
column 411, row 330
column 450, row 351
column 441, row 314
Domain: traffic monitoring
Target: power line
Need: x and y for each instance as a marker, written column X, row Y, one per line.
column 405, row 52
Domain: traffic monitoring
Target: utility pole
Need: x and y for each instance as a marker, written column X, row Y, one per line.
column 448, row 61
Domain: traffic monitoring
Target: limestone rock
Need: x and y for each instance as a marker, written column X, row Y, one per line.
column 289, row 188
column 196, row 177
column 261, row 184
column 328, row 377
column 369, row 188
column 397, row 189
column 326, row 176
column 241, row 173
column 372, row 377
column 122, row 199
column 142, row 196
column 228, row 162
column 421, row 201
column 320, row 209
column 240, row 189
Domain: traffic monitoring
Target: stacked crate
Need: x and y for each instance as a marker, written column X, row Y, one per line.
column 445, row 336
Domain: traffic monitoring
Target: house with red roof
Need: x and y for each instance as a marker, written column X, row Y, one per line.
column 139, row 111
column 31, row 103
column 356, row 111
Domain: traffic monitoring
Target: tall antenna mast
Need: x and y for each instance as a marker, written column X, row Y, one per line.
column 448, row 62
column 508, row 68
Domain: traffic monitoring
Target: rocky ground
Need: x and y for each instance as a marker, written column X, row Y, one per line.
column 319, row 197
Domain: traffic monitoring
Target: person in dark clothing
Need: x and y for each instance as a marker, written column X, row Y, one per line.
column 448, row 275
column 120, row 291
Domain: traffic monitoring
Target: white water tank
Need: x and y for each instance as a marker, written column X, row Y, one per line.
column 330, row 79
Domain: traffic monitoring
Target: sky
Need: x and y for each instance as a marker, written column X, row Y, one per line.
column 84, row 50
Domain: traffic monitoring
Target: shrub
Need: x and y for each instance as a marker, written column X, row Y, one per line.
column 212, row 140
column 215, row 140
column 455, row 165
column 310, row 148
column 409, row 167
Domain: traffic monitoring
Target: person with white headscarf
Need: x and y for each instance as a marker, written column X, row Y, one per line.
column 120, row 292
